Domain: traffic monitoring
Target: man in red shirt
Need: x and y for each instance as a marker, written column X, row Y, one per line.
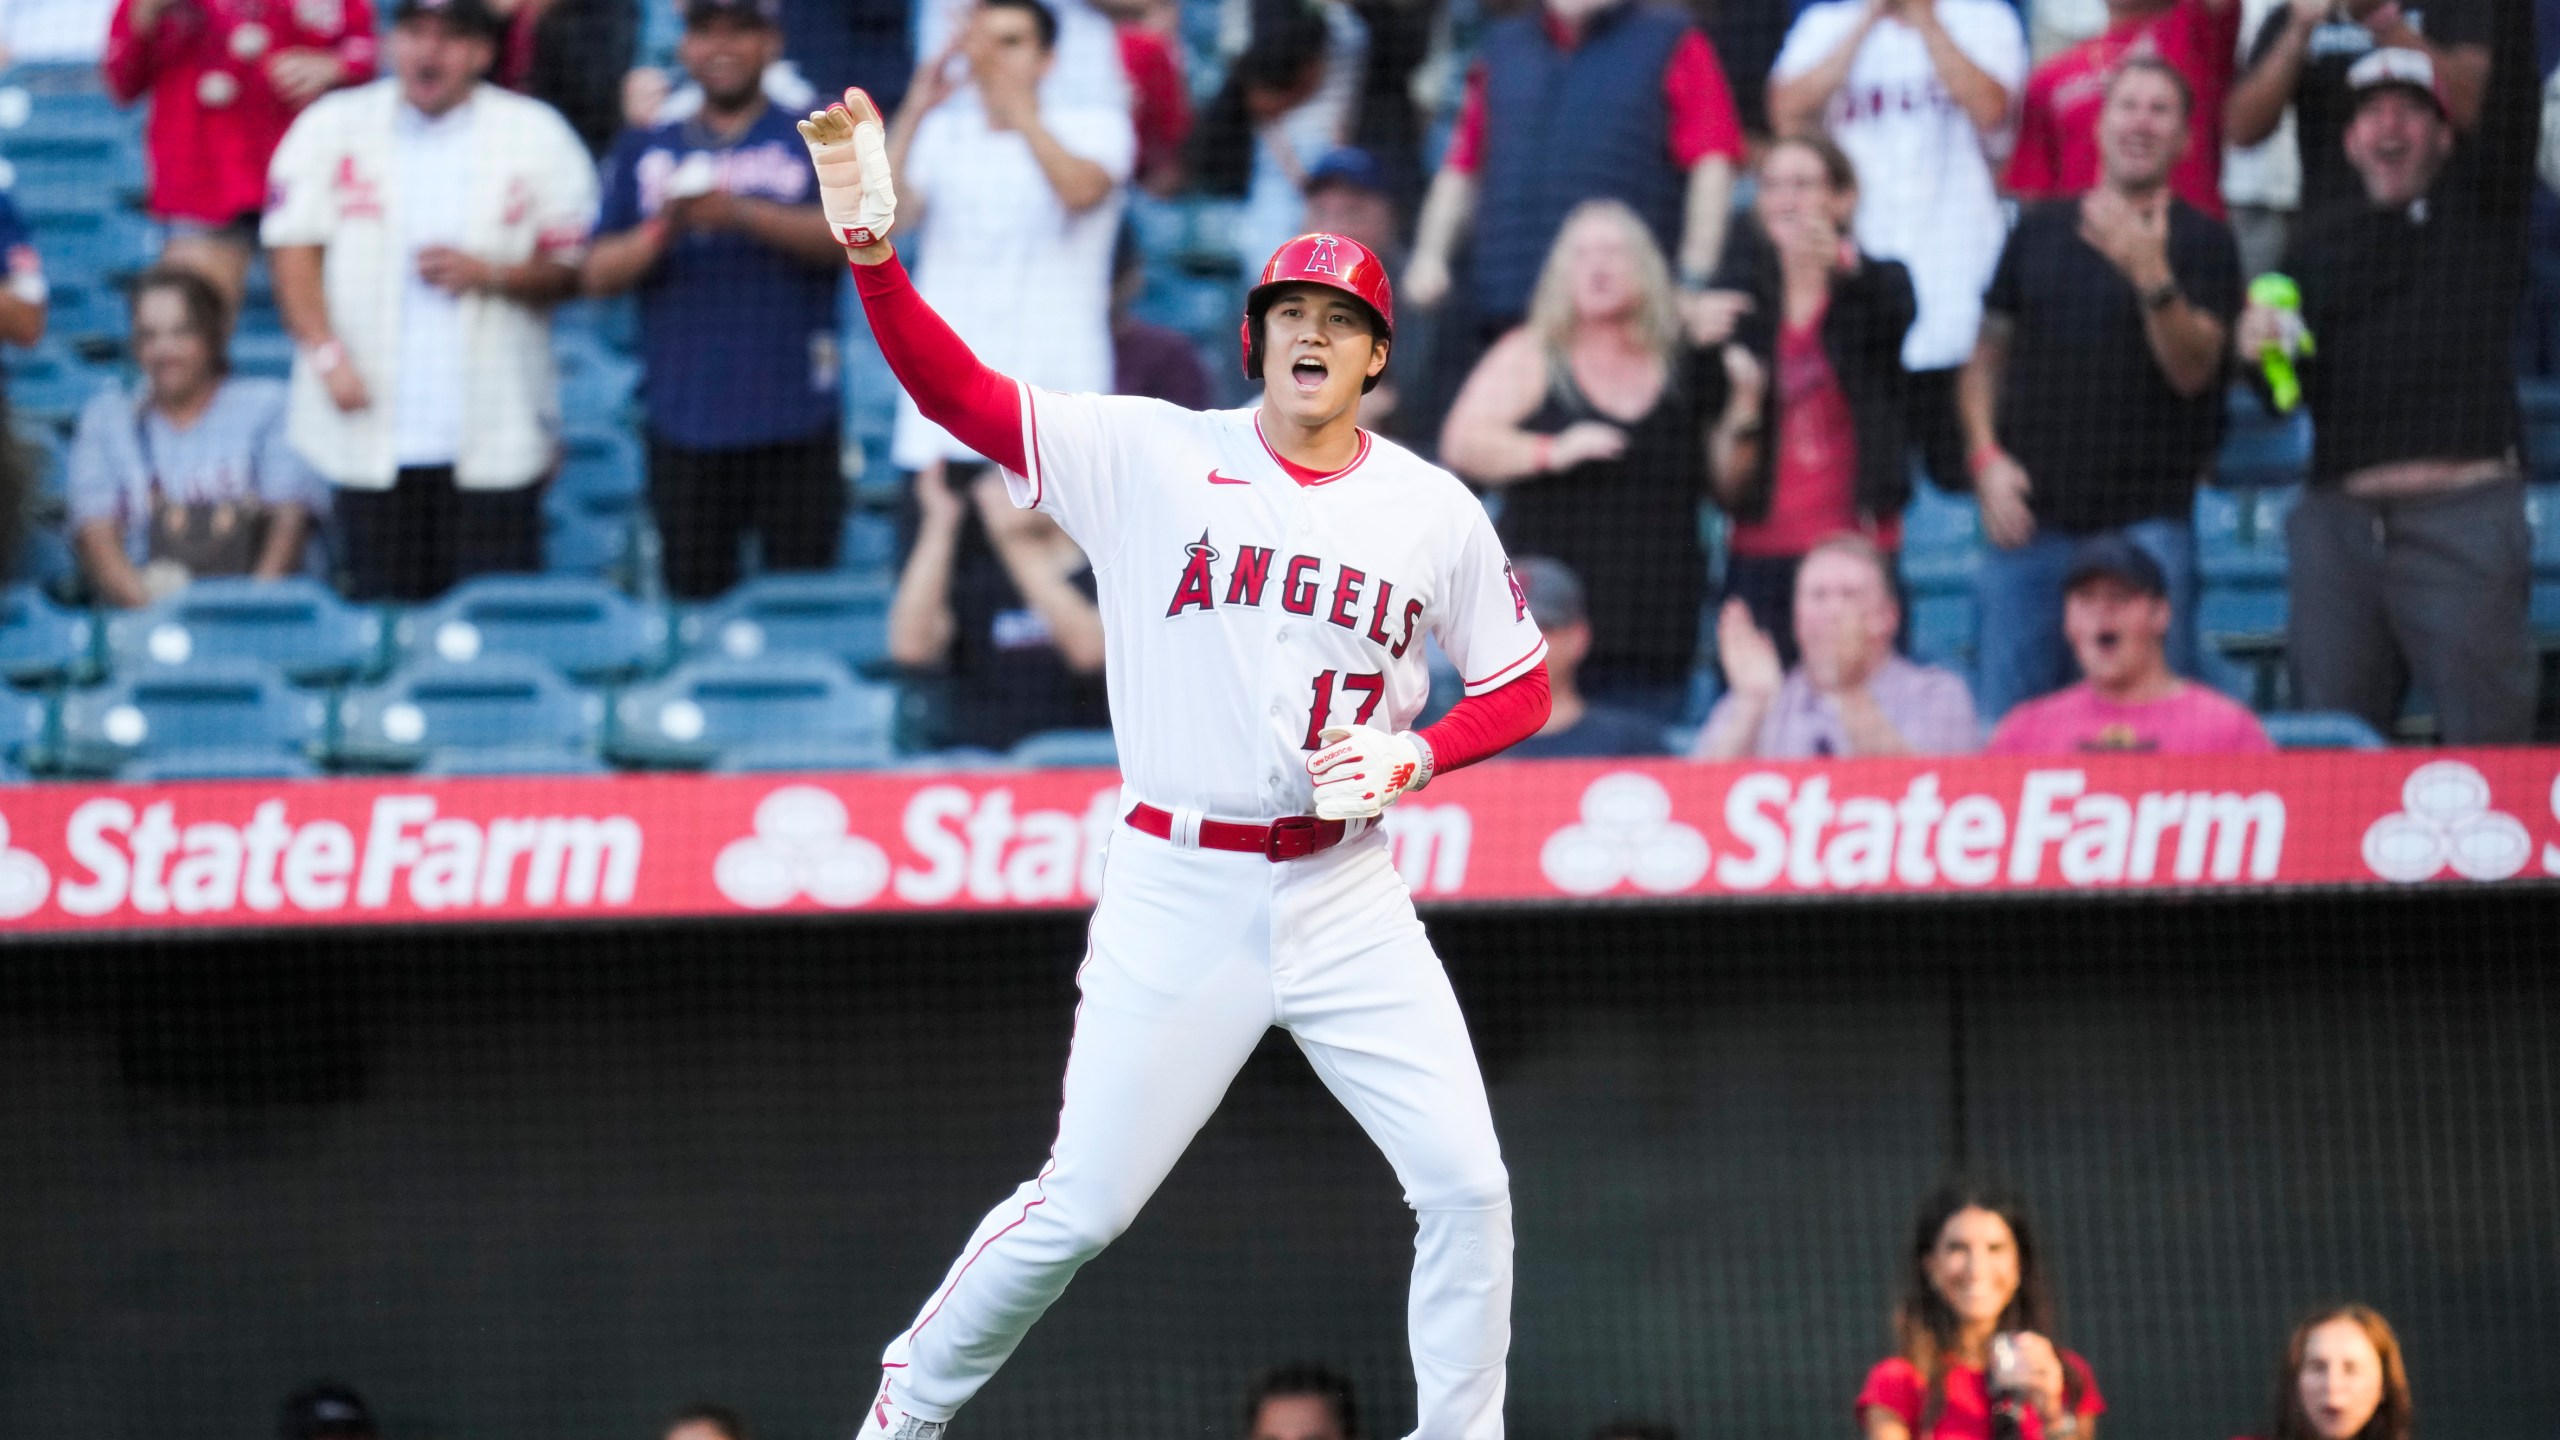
column 2057, row 152
column 1699, row 138
column 226, row 78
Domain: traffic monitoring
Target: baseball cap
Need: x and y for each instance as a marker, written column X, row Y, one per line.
column 2394, row 67
column 323, row 1411
column 1554, row 591
column 2115, row 557
column 767, row 13
column 474, row 16
column 1348, row 165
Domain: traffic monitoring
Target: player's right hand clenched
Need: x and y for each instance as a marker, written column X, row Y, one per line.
column 849, row 146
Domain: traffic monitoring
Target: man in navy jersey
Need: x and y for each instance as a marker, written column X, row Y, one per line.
column 715, row 222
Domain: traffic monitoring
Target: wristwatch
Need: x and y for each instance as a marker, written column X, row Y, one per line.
column 2160, row 296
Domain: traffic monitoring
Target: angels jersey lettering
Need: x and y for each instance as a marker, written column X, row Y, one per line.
column 1246, row 610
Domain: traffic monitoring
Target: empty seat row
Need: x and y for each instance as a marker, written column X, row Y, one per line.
column 498, row 715
column 589, row 631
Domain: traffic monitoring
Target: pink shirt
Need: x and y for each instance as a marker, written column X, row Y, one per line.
column 1813, row 491
column 2196, row 720
column 1965, row 1409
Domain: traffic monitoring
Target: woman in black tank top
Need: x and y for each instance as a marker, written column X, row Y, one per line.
column 1587, row 420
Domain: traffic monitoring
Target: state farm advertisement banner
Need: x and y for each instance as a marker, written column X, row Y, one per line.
column 93, row 858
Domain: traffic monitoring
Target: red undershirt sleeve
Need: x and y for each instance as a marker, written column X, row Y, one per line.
column 950, row 385
column 1483, row 726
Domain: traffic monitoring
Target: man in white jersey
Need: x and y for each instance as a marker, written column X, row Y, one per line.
column 1266, row 578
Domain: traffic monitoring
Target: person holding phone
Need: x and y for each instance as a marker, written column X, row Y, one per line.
column 1974, row 1354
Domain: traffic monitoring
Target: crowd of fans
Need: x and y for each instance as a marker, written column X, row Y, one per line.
column 2023, row 282
column 1975, row 1355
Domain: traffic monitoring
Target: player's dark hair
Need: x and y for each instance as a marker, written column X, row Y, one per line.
column 1625, row 1429
column 729, row 1423
column 1285, row 1382
column 2154, row 65
column 1043, row 19
column 1925, row 1328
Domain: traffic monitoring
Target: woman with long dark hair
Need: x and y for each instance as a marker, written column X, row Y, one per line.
column 1974, row 1355
column 2342, row 1379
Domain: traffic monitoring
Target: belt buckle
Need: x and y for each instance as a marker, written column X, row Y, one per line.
column 1292, row 837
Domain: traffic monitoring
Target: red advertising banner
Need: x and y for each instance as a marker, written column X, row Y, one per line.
column 402, row 851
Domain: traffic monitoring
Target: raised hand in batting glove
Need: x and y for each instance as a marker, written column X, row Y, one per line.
column 850, row 148
column 1360, row 771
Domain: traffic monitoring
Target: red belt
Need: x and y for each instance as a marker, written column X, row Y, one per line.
column 1291, row 837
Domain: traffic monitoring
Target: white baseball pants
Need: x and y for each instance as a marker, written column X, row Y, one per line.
column 1194, row 954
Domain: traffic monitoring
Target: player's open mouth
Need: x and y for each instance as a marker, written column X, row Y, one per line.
column 1308, row 373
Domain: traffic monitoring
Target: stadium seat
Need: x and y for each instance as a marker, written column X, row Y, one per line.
column 592, row 632
column 870, row 545
column 40, row 642
column 2234, row 543
column 1062, row 749
column 91, row 241
column 2263, row 450
column 2240, row 630
column 600, row 463
column 219, row 765
column 774, row 712
column 2319, row 730
column 508, row 714
column 2542, row 513
column 596, row 382
column 576, row 540
column 25, row 718
column 845, row 616
column 213, row 716
column 49, row 382
column 298, row 625
column 261, row 353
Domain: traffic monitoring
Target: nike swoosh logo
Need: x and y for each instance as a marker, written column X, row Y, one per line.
column 1217, row 479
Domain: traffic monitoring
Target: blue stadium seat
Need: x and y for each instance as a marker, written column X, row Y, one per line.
column 575, row 542
column 596, row 382
column 2234, row 543
column 2319, row 730
column 599, row 463
column 25, row 718
column 200, row 718
column 262, row 353
column 88, row 317
column 41, row 642
column 2545, row 610
column 2240, row 630
column 870, row 545
column 91, row 241
column 845, row 616
column 49, row 382
column 775, row 712
column 2539, row 398
column 1063, row 749
column 2262, row 450
column 70, row 171
column 592, row 632
column 2542, row 513
column 219, row 765
column 499, row 714
column 298, row 625
column 1941, row 542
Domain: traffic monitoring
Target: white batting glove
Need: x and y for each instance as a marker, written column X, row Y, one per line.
column 1360, row 771
column 850, row 148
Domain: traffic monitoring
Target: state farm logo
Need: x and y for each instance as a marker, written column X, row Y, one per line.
column 2445, row 820
column 803, row 845
column 24, row 881
column 1626, row 835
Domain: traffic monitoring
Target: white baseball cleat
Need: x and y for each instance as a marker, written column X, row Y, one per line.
column 887, row 1422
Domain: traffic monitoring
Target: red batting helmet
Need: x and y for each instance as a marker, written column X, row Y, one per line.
column 1336, row 262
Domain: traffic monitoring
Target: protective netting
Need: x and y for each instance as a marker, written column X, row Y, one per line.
column 525, row 1183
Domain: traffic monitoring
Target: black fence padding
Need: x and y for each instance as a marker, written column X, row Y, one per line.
column 533, row 1185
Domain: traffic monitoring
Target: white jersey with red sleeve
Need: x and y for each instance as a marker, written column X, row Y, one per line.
column 1247, row 604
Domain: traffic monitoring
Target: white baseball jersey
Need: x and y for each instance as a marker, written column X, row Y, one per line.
column 1246, row 610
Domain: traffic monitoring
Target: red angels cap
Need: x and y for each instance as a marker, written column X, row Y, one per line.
column 1336, row 262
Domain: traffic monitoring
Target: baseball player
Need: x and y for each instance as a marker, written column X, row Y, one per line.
column 1266, row 577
